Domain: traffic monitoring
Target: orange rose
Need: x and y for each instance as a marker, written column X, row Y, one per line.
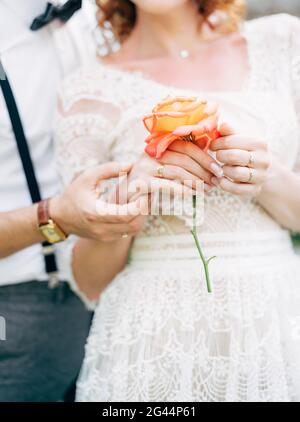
column 187, row 118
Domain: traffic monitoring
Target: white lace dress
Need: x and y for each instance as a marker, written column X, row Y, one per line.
column 157, row 335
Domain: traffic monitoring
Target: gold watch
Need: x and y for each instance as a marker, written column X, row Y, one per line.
column 49, row 229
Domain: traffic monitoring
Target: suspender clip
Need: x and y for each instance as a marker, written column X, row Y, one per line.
column 53, row 280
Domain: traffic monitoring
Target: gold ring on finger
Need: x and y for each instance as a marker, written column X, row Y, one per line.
column 160, row 171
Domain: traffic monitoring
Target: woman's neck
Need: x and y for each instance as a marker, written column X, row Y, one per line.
column 156, row 35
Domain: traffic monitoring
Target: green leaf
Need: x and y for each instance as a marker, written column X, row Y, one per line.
column 210, row 259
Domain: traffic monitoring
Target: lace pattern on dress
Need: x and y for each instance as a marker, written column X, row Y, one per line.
column 157, row 335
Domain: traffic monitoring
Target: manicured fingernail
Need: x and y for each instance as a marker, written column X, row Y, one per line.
column 215, row 181
column 217, row 170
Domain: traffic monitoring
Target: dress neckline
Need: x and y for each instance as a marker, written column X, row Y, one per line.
column 142, row 77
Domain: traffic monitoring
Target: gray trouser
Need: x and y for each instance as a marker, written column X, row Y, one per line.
column 46, row 332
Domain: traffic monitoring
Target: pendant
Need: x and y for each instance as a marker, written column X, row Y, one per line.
column 184, row 54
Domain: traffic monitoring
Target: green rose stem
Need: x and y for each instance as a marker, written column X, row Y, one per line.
column 205, row 261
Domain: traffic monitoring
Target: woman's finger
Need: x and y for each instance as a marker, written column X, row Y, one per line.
column 179, row 174
column 238, row 157
column 201, row 157
column 111, row 213
column 233, row 157
column 243, row 189
column 142, row 188
column 238, row 142
column 226, row 130
column 187, row 163
column 244, row 174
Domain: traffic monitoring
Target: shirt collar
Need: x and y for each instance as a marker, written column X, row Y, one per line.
column 15, row 19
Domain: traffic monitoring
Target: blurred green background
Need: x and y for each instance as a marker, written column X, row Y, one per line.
column 267, row 7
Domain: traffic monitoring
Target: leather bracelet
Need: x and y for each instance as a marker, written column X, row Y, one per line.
column 43, row 212
column 50, row 229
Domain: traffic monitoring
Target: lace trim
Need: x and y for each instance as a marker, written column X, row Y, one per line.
column 157, row 335
column 181, row 344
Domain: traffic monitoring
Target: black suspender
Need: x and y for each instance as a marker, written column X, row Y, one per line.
column 24, row 152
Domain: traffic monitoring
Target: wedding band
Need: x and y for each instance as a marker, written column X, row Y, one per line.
column 160, row 171
column 124, row 235
column 250, row 176
column 251, row 159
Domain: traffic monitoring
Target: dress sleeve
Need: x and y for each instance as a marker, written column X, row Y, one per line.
column 85, row 128
column 295, row 75
column 84, row 134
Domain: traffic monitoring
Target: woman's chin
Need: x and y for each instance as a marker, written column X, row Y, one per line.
column 158, row 7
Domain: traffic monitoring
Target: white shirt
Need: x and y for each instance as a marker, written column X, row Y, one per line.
column 35, row 63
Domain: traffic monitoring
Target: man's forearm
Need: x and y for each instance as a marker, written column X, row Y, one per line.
column 75, row 212
column 18, row 230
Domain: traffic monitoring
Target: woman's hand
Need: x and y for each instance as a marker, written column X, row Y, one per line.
column 184, row 163
column 246, row 163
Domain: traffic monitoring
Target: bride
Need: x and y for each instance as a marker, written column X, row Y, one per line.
column 157, row 334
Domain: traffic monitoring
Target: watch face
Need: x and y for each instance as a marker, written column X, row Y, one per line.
column 52, row 233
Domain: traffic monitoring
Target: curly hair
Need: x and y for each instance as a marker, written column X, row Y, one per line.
column 121, row 14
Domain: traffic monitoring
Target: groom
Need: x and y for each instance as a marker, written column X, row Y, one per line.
column 44, row 325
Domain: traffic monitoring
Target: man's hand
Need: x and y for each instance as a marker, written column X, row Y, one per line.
column 78, row 211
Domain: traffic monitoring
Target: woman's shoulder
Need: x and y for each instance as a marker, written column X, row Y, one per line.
column 88, row 82
column 281, row 26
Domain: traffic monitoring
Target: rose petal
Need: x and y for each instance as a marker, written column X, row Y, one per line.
column 158, row 146
column 197, row 115
column 202, row 111
column 175, row 114
column 164, row 144
column 164, row 121
column 206, row 125
column 195, row 105
column 166, row 105
column 168, row 121
column 153, row 136
column 151, row 148
column 149, row 123
column 205, row 140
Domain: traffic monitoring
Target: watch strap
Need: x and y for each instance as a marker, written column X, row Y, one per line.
column 43, row 212
column 44, row 217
